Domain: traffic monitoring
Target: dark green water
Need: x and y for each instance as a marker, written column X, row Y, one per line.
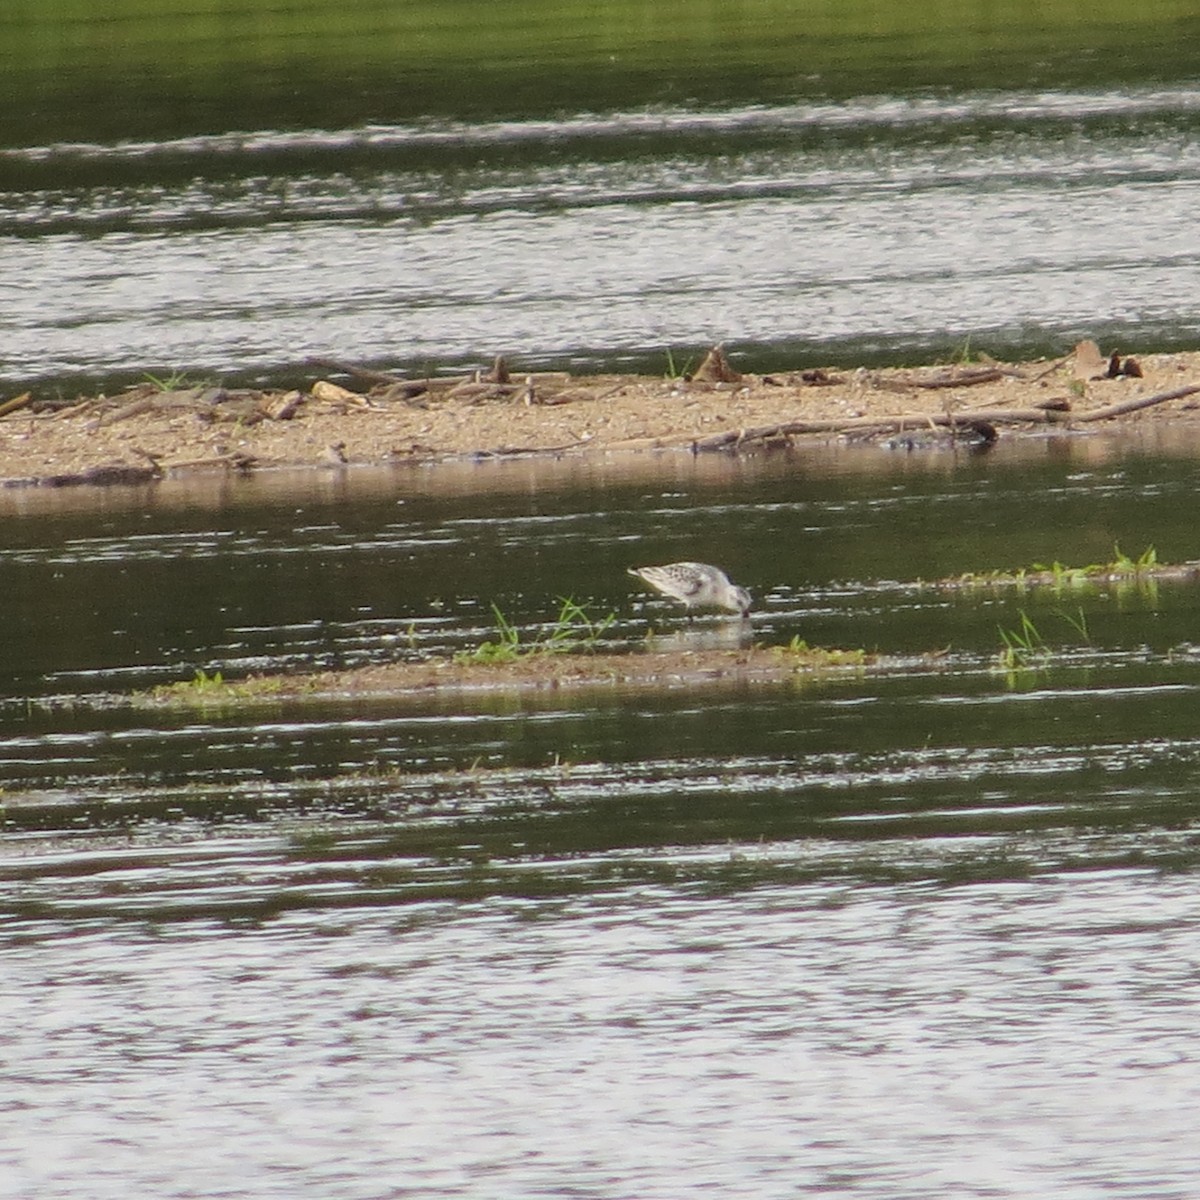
column 423, row 186
column 887, row 934
column 164, row 73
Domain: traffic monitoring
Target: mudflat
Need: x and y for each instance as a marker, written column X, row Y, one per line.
column 353, row 415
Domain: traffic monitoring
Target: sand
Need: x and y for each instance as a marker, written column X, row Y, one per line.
column 148, row 432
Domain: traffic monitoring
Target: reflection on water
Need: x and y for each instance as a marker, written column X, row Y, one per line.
column 842, row 934
column 852, row 232
column 717, row 633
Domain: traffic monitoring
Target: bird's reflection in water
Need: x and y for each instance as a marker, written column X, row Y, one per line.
column 715, row 635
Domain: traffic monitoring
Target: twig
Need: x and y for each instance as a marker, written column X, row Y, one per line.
column 17, row 402
column 514, row 451
column 237, row 460
column 134, row 409
column 965, row 378
column 358, row 372
column 1054, row 366
column 77, row 408
column 1128, row 406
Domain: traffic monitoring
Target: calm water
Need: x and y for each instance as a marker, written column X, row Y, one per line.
column 921, row 931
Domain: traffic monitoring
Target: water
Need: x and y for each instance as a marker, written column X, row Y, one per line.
column 1007, row 184
column 929, row 929
column 849, row 232
column 923, row 930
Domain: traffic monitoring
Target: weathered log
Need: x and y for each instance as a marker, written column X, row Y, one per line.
column 977, row 419
column 1128, row 406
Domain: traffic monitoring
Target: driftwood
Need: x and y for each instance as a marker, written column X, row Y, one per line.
column 334, row 393
column 396, row 386
column 966, row 378
column 529, row 451
column 367, row 374
column 1053, row 413
column 1128, row 406
column 76, row 408
column 237, row 460
column 981, row 422
column 135, row 409
column 495, row 384
column 282, row 408
column 1049, row 369
column 956, row 379
column 17, row 402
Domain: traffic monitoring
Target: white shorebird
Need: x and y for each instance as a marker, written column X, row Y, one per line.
column 695, row 585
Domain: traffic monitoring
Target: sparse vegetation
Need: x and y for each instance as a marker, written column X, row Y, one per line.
column 205, row 689
column 177, row 381
column 1147, row 561
column 677, row 371
column 573, row 632
column 1025, row 649
column 1021, row 649
column 1121, row 569
column 204, row 682
column 816, row 656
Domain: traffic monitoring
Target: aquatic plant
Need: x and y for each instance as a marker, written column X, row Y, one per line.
column 1146, row 561
column 1061, row 576
column 203, row 682
column 206, row 690
column 1021, row 649
column 1078, row 623
column 574, row 631
column 1025, row 649
column 816, row 656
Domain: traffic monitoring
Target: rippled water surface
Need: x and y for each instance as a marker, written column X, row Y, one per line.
column 416, row 188
column 851, row 231
column 926, row 929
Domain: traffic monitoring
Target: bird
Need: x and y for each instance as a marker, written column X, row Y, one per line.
column 695, row 585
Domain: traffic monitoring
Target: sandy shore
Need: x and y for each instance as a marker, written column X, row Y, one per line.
column 150, row 432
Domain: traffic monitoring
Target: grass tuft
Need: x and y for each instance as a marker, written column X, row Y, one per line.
column 677, row 370
column 1022, row 649
column 177, row 381
column 573, row 632
column 1025, row 649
